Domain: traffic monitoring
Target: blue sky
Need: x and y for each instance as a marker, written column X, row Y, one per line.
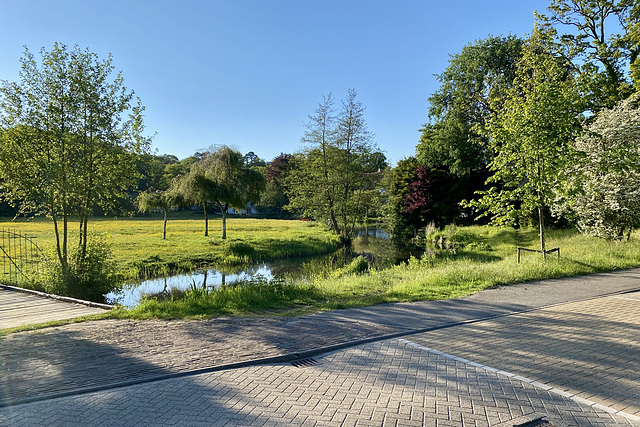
column 247, row 73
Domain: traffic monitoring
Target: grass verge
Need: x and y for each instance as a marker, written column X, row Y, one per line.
column 483, row 257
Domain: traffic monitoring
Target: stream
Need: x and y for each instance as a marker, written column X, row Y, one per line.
column 373, row 243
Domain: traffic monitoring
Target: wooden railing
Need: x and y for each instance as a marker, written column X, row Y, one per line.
column 533, row 250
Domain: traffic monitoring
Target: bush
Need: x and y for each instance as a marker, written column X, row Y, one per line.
column 359, row 265
column 88, row 279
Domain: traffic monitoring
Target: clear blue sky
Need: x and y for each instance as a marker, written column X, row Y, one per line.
column 247, row 73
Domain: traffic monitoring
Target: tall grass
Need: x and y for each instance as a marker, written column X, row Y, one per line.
column 484, row 257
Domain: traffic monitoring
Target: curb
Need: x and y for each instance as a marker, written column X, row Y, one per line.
column 57, row 297
column 289, row 357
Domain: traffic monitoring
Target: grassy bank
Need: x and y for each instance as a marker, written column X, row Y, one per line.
column 479, row 258
column 139, row 250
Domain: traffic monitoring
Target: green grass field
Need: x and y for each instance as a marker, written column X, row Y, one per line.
column 140, row 251
column 483, row 257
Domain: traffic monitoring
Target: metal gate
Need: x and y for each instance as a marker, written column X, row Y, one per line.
column 21, row 256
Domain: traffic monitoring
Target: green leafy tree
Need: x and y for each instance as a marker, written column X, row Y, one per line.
column 221, row 178
column 470, row 90
column 197, row 188
column 335, row 172
column 600, row 43
column 454, row 146
column 607, row 179
column 274, row 197
column 396, row 183
column 160, row 200
column 531, row 138
column 70, row 132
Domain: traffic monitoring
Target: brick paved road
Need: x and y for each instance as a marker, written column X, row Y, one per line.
column 579, row 338
column 589, row 348
column 105, row 353
column 387, row 383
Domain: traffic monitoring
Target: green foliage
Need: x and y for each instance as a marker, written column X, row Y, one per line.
column 336, row 179
column 69, row 134
column 451, row 238
column 254, row 296
column 454, row 146
column 599, row 53
column 396, row 220
column 531, row 138
column 221, row 178
column 241, row 249
column 461, row 107
column 603, row 188
column 90, row 277
column 358, row 265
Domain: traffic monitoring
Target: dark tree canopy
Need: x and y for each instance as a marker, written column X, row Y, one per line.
column 460, row 109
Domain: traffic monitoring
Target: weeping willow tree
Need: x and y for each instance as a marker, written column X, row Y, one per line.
column 222, row 179
column 160, row 200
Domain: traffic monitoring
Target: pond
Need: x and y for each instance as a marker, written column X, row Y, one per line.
column 373, row 243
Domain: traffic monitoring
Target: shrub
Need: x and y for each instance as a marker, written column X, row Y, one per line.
column 89, row 278
column 359, row 265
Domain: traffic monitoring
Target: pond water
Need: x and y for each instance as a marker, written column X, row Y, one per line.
column 373, row 243
column 131, row 294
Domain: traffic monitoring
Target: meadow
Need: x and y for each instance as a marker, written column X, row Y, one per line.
column 467, row 260
column 139, row 250
column 474, row 258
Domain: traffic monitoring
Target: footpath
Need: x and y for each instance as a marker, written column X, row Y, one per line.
column 88, row 357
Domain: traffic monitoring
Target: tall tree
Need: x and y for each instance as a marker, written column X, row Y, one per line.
column 274, row 196
column 597, row 37
column 531, row 137
column 396, row 219
column 336, row 170
column 197, row 188
column 454, row 146
column 70, row 132
column 461, row 108
column 162, row 200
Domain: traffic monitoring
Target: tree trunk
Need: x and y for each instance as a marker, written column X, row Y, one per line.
column 224, row 221
column 61, row 253
column 164, row 224
column 542, row 241
column 366, row 224
column 206, row 219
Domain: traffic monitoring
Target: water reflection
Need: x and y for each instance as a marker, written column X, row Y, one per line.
column 132, row 294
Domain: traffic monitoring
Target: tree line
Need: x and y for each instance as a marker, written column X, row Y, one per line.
column 534, row 129
column 522, row 130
